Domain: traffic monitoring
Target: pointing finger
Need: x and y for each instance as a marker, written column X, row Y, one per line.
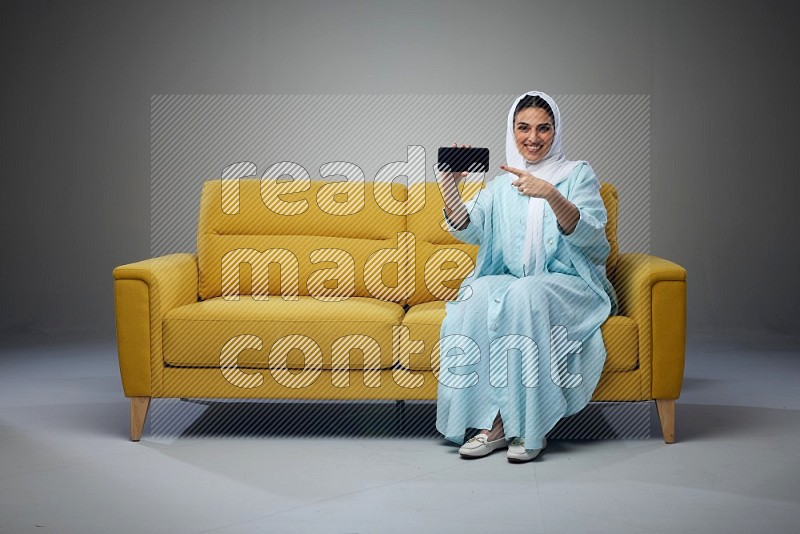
column 512, row 170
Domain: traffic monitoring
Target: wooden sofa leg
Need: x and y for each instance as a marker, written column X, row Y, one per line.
column 139, row 407
column 666, row 414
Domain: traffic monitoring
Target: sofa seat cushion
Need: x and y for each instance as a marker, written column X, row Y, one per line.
column 424, row 322
column 620, row 336
column 427, row 314
column 195, row 334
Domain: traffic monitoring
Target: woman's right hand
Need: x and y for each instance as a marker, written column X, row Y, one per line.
column 448, row 184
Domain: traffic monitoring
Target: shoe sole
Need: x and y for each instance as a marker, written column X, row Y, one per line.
column 473, row 456
column 522, row 461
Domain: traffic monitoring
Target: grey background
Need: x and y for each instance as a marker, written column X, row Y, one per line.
column 79, row 77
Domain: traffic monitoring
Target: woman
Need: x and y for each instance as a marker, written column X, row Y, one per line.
column 521, row 347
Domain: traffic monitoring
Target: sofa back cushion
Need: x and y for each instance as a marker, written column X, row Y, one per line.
column 611, row 202
column 268, row 238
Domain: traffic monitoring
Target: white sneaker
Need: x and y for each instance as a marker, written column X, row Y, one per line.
column 518, row 453
column 481, row 446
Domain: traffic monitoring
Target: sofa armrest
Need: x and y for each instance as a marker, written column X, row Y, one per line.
column 143, row 292
column 652, row 292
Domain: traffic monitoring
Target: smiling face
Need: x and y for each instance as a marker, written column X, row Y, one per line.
column 534, row 132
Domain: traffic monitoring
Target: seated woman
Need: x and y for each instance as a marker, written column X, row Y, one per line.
column 525, row 330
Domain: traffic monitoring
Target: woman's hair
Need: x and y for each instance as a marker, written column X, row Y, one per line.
column 533, row 101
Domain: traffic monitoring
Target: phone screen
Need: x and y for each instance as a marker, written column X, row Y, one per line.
column 460, row 159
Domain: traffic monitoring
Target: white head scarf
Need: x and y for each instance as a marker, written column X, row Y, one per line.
column 553, row 167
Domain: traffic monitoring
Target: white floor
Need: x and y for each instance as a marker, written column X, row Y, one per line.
column 66, row 464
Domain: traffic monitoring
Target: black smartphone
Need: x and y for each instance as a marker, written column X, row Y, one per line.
column 458, row 159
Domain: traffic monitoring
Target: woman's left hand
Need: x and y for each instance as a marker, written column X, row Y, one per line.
column 530, row 185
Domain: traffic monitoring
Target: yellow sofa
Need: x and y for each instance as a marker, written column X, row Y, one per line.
column 319, row 290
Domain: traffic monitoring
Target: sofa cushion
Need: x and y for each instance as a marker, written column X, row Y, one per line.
column 424, row 322
column 611, row 202
column 195, row 334
column 309, row 265
column 238, row 217
column 620, row 337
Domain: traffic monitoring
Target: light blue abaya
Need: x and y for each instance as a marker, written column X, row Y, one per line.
column 526, row 344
